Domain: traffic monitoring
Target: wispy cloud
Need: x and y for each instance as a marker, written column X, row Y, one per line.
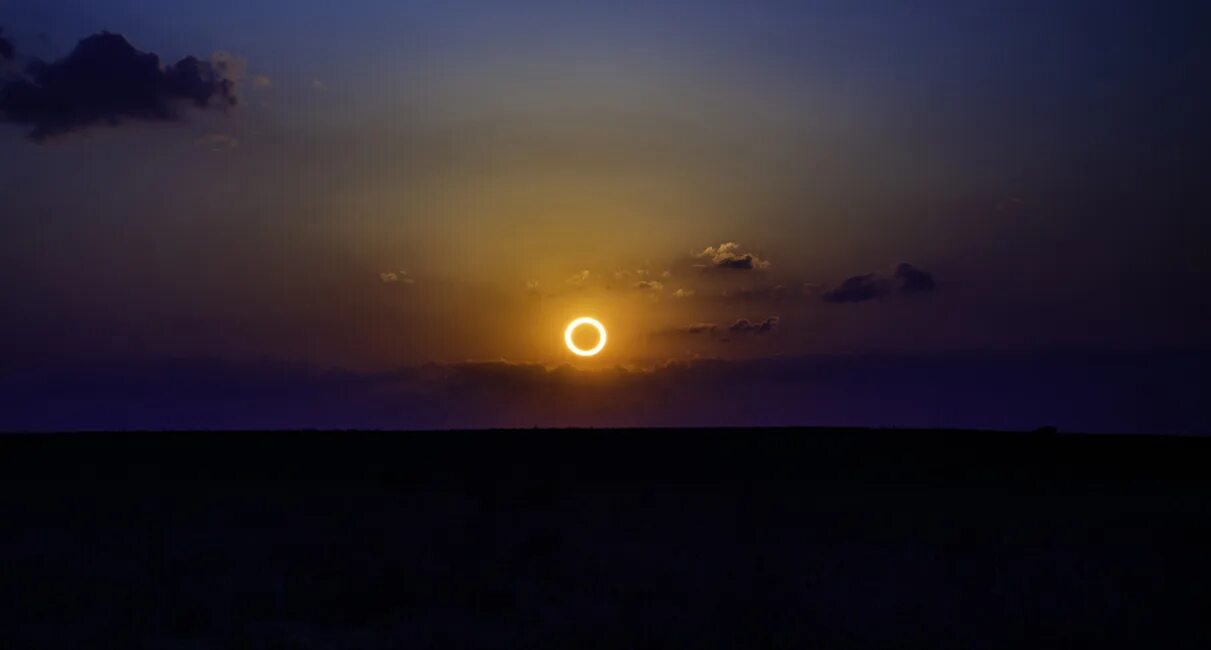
column 396, row 277
column 691, row 330
column 745, row 326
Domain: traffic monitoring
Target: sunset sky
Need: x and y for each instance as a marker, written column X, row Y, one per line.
column 370, row 186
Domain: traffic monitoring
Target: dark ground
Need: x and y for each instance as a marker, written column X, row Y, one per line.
column 612, row 539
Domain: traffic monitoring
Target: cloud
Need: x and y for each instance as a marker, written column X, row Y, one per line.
column 579, row 278
column 727, row 256
column 532, row 285
column 105, row 81
column 705, row 329
column 914, row 280
column 624, row 274
column 870, row 286
column 859, row 288
column 649, row 285
column 683, row 293
column 691, row 330
column 961, row 391
column 744, row 326
column 229, row 65
column 396, row 277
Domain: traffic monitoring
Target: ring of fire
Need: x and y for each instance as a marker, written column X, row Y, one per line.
column 585, row 320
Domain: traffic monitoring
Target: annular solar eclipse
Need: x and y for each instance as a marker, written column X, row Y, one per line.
column 576, row 324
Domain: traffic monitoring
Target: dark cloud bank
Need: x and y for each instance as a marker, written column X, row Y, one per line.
column 861, row 288
column 106, row 81
column 1103, row 392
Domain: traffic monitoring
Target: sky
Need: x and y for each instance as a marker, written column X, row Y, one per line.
column 381, row 187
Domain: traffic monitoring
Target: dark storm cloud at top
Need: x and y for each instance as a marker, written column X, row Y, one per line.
column 107, row 81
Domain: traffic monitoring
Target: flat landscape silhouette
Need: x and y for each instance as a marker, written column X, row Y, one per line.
column 705, row 538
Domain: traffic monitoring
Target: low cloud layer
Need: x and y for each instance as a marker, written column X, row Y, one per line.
column 1153, row 392
column 745, row 326
column 105, row 81
column 693, row 330
column 710, row 330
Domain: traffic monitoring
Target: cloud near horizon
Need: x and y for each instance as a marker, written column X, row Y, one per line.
column 105, row 81
column 691, row 330
column 744, row 326
column 1124, row 393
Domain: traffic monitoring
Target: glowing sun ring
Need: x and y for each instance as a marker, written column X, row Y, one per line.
column 585, row 320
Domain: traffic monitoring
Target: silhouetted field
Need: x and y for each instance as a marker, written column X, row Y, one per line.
column 604, row 539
